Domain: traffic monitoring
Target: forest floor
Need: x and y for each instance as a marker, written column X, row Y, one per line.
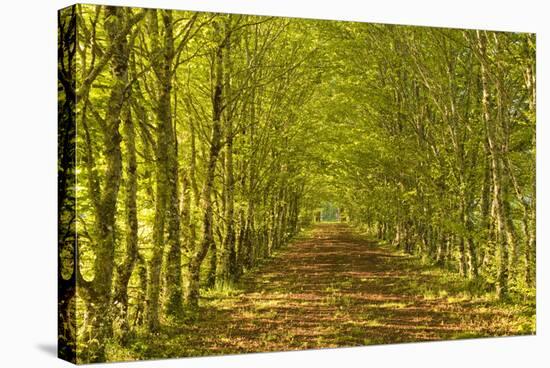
column 333, row 287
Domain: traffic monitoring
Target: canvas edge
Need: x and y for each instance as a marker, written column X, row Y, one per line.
column 66, row 183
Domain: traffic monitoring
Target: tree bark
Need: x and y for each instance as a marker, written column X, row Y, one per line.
column 100, row 313
column 496, row 172
column 192, row 296
column 124, row 271
column 226, row 258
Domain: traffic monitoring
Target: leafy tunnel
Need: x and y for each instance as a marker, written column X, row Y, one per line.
column 196, row 146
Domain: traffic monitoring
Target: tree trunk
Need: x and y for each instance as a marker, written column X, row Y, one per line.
column 496, row 172
column 124, row 271
column 226, row 257
column 166, row 177
column 192, row 296
column 100, row 313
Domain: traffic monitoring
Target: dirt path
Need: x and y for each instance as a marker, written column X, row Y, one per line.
column 334, row 289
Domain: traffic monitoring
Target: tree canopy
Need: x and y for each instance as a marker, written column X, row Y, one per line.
column 194, row 145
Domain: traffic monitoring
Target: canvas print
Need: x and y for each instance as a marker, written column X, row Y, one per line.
column 235, row 183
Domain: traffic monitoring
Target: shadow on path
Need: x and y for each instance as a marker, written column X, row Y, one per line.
column 333, row 289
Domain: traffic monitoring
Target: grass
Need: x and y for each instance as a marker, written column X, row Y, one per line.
column 332, row 287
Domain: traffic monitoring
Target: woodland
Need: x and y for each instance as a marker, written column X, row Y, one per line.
column 236, row 183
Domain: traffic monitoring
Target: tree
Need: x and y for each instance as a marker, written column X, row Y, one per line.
column 187, row 137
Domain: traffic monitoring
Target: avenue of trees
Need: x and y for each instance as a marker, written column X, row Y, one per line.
column 193, row 145
column 438, row 153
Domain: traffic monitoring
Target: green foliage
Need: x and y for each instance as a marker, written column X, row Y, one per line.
column 206, row 143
